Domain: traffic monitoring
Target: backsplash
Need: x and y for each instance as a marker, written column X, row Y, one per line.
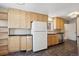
column 19, row 31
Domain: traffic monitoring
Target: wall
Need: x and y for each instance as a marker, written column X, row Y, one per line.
column 70, row 31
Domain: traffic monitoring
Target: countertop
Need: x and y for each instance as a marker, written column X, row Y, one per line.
column 21, row 35
column 49, row 33
column 54, row 33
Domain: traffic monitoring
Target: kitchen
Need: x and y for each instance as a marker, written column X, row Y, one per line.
column 27, row 31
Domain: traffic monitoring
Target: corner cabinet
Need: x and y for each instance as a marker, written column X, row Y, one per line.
column 16, row 18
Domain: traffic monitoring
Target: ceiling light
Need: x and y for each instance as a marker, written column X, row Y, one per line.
column 20, row 3
column 73, row 14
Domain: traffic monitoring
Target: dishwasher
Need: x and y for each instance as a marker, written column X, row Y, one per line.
column 61, row 37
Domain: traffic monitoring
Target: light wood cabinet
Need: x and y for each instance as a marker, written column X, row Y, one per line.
column 26, row 43
column 28, row 20
column 20, row 43
column 53, row 39
column 14, row 43
column 3, row 33
column 23, row 42
column 58, row 23
column 13, row 18
column 22, row 19
column 45, row 18
column 41, row 17
column 49, row 40
column 3, row 47
column 33, row 16
column 3, row 52
column 29, row 43
column 16, row 18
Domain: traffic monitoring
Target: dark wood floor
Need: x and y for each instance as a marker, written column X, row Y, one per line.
column 68, row 48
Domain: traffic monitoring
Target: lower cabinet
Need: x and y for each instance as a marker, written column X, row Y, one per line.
column 26, row 43
column 20, row 43
column 13, row 43
column 53, row 39
column 3, row 47
column 29, row 43
column 3, row 52
column 23, row 43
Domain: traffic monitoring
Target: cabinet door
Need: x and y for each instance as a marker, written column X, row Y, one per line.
column 3, row 52
column 22, row 19
column 28, row 20
column 45, row 18
column 49, row 40
column 16, row 19
column 14, row 43
column 52, row 40
column 55, row 39
column 39, row 17
column 23, row 42
column 58, row 23
column 33, row 16
column 13, row 18
column 62, row 24
column 29, row 43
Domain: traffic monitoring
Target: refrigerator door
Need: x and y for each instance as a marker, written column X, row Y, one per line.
column 39, row 41
column 39, row 26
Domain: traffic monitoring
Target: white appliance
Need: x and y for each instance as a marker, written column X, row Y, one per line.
column 39, row 32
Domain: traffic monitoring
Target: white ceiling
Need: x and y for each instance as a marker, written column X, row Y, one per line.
column 52, row 9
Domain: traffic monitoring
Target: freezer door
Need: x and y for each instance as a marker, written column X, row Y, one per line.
column 39, row 26
column 39, row 41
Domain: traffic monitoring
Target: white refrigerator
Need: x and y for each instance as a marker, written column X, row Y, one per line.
column 39, row 32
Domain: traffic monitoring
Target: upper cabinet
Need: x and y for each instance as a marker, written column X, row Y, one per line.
column 41, row 17
column 16, row 18
column 31, row 16
column 22, row 19
column 58, row 23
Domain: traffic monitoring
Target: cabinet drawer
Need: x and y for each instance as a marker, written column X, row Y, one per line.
column 3, row 52
column 3, row 42
column 3, row 48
